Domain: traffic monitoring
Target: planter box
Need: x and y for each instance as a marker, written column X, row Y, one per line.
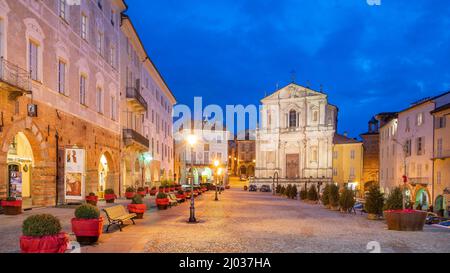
column 153, row 192
column 130, row 195
column 46, row 244
column 142, row 193
column 87, row 231
column 139, row 209
column 162, row 203
column 109, row 198
column 405, row 220
column 92, row 200
column 181, row 196
column 12, row 207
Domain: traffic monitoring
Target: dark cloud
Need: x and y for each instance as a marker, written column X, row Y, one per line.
column 369, row 59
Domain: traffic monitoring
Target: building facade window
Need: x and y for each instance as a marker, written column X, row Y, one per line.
column 419, row 118
column 99, row 100
column 439, row 148
column 34, row 61
column 62, row 77
column 100, row 41
column 292, row 119
column 83, row 89
column 113, row 108
column 352, row 154
column 84, row 27
column 420, row 145
column 63, row 9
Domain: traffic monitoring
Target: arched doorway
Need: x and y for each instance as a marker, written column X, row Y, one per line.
column 422, row 200
column 20, row 161
column 103, row 171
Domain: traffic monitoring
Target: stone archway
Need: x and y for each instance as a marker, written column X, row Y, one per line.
column 421, row 198
column 108, row 172
column 44, row 171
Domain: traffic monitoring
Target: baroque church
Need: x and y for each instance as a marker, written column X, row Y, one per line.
column 295, row 137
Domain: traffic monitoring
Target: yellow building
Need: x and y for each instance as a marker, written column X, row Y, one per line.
column 348, row 162
column 441, row 191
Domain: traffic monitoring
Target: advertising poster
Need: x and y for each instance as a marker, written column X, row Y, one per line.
column 15, row 184
column 75, row 171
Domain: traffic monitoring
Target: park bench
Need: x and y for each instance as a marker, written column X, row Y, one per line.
column 117, row 215
column 172, row 202
column 174, row 197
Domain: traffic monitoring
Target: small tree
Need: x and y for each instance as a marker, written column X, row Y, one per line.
column 278, row 190
column 395, row 200
column 374, row 201
column 334, row 195
column 312, row 193
column 283, row 190
column 288, row 191
column 294, row 192
column 347, row 199
column 303, row 194
column 326, row 195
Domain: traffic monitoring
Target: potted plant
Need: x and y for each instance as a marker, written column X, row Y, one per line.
column 334, row 197
column 162, row 202
column 188, row 194
column 400, row 219
column 130, row 192
column 303, row 194
column 166, row 189
column 288, row 191
column 12, row 206
column 172, row 187
column 137, row 206
column 283, row 190
column 92, row 199
column 180, row 194
column 313, row 197
column 326, row 196
column 87, row 224
column 374, row 203
column 110, row 196
column 153, row 191
column 294, row 192
column 347, row 200
column 141, row 191
column 42, row 234
column 278, row 189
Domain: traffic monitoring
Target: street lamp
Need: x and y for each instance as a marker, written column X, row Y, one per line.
column 275, row 177
column 216, row 165
column 192, row 140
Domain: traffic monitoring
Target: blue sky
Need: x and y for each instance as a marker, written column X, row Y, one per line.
column 369, row 59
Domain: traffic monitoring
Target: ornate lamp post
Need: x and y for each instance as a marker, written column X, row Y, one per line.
column 192, row 140
column 275, row 178
column 216, row 165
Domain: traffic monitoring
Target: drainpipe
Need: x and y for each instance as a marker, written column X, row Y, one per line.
column 57, row 167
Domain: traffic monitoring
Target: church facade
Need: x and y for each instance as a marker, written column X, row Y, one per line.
column 294, row 140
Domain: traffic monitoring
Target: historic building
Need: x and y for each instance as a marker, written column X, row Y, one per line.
column 232, row 157
column 348, row 163
column 211, row 144
column 146, row 115
column 442, row 159
column 407, row 151
column 246, row 154
column 59, row 89
column 371, row 155
column 295, row 137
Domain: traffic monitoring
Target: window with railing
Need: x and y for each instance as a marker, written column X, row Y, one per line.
column 14, row 75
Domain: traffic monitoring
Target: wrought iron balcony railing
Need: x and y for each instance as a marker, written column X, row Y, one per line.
column 136, row 99
column 131, row 137
column 14, row 78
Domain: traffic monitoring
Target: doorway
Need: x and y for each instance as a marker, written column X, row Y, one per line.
column 292, row 166
column 103, row 170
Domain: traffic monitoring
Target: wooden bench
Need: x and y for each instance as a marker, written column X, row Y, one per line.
column 172, row 202
column 174, row 197
column 117, row 215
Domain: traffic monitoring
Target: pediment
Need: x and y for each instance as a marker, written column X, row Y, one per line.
column 292, row 91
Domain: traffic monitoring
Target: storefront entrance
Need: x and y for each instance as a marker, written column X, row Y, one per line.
column 103, row 170
column 20, row 164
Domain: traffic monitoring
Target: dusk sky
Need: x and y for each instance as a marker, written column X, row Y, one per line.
column 369, row 59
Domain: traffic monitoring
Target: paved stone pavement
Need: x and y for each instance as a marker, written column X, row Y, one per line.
column 246, row 222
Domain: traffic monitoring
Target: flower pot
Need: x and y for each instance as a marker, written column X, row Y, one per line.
column 45, row 244
column 181, row 196
column 92, row 200
column 372, row 216
column 139, row 209
column 87, row 231
column 405, row 220
column 162, row 203
column 130, row 195
column 172, row 189
column 12, row 207
column 153, row 192
column 142, row 193
column 109, row 198
column 166, row 190
column 204, row 189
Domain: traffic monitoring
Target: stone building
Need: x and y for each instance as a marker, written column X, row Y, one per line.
column 441, row 159
column 371, row 155
column 348, row 163
column 246, row 154
column 59, row 88
column 295, row 137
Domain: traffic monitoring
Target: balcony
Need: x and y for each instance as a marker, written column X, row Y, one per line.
column 419, row 181
column 133, row 138
column 13, row 79
column 135, row 100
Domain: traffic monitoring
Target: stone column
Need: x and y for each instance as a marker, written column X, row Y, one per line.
column 3, row 176
column 43, row 185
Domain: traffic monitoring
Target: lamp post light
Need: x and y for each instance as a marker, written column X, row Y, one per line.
column 192, row 140
column 216, row 165
column 275, row 178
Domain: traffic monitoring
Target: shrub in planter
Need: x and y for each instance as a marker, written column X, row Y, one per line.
column 374, row 203
column 110, row 196
column 87, row 224
column 405, row 220
column 288, row 191
column 130, row 193
column 278, row 189
column 153, row 191
column 312, row 194
column 326, row 196
column 334, row 197
column 294, row 192
column 137, row 206
column 347, row 200
column 162, row 202
column 42, row 234
column 394, row 200
column 180, row 194
column 12, row 206
column 188, row 194
column 283, row 190
column 166, row 189
column 141, row 191
column 303, row 194
column 92, row 199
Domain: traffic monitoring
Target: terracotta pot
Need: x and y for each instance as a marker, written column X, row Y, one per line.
column 139, row 209
column 12, row 207
column 172, row 188
column 181, row 196
column 166, row 190
column 188, row 195
column 87, row 231
column 130, row 195
column 142, row 193
column 162, row 203
column 153, row 192
column 45, row 244
column 109, row 198
column 405, row 220
column 92, row 200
